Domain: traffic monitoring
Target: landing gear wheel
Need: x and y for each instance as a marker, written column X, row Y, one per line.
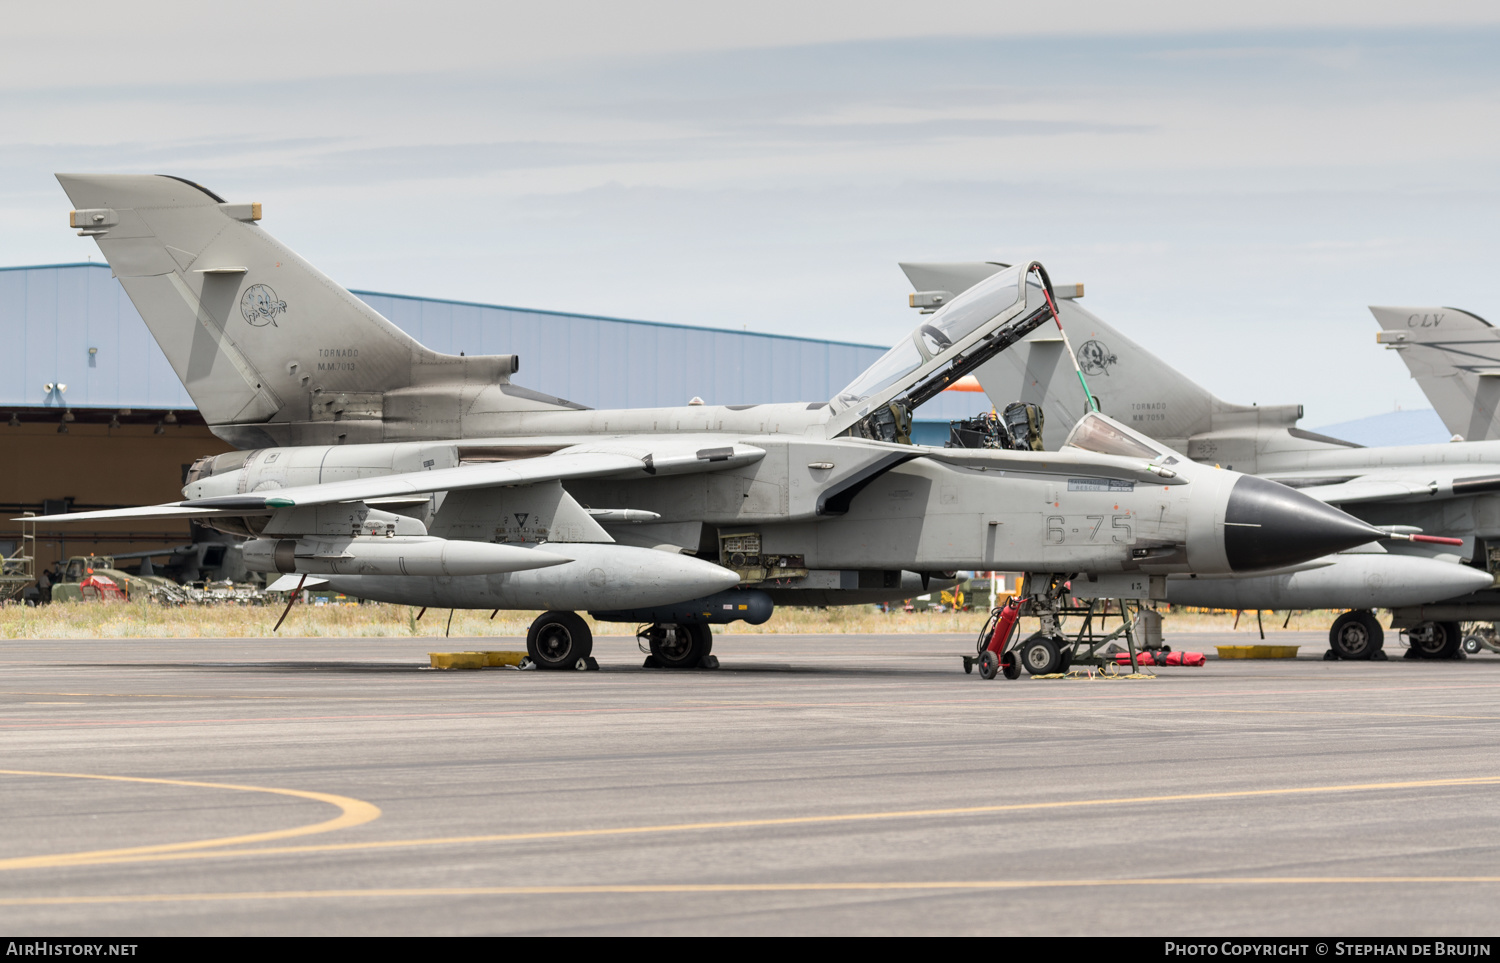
column 1435, row 640
column 1473, row 644
column 989, row 666
column 1356, row 635
column 1040, row 655
column 676, row 646
column 559, row 640
column 1010, row 665
column 1065, row 658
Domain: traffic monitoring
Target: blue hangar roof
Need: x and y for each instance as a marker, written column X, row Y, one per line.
column 72, row 324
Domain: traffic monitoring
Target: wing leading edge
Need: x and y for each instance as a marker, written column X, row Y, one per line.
column 1396, row 485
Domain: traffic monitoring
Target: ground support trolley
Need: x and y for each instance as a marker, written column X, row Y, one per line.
column 1000, row 651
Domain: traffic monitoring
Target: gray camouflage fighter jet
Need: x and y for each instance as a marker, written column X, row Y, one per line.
column 1441, row 490
column 403, row 475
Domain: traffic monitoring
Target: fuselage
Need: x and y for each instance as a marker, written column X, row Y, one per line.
column 818, row 504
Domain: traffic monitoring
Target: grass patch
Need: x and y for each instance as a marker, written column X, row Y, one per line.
column 129, row 620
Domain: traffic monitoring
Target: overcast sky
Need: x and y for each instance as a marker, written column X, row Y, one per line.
column 1233, row 185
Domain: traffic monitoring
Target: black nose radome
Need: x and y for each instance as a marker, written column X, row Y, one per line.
column 1267, row 525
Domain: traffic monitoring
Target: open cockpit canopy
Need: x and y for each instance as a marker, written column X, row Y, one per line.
column 966, row 332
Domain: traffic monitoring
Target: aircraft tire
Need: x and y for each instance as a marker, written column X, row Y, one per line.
column 1064, row 658
column 558, row 640
column 1435, row 640
column 1356, row 635
column 676, row 646
column 1040, row 655
column 1455, row 633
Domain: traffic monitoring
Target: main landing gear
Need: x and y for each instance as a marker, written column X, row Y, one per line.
column 1356, row 635
column 560, row 640
column 674, row 645
column 1435, row 640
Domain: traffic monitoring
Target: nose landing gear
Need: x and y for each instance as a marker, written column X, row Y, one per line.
column 1050, row 651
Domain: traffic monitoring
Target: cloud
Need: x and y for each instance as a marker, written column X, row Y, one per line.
column 97, row 42
column 1226, row 195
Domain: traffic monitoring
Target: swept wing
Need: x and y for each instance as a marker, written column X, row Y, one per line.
column 582, row 461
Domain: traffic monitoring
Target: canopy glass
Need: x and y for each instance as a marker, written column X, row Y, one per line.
column 938, row 334
column 1096, row 433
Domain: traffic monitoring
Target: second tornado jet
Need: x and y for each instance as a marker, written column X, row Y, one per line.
column 1438, row 490
column 408, row 476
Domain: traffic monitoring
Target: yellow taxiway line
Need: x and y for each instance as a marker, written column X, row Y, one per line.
column 352, row 812
column 647, row 888
column 217, row 848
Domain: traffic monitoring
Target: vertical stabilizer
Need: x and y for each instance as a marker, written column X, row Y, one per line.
column 248, row 325
column 1455, row 358
column 271, row 350
column 1131, row 385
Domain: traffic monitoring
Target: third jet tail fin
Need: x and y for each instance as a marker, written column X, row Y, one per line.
column 1455, row 357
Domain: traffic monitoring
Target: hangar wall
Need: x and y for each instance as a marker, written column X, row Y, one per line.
column 94, row 466
column 134, row 426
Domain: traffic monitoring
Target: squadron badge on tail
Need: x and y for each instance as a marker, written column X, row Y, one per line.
column 260, row 306
column 1094, row 357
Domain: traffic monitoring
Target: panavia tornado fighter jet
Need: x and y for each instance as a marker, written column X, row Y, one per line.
column 403, row 475
column 1445, row 498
